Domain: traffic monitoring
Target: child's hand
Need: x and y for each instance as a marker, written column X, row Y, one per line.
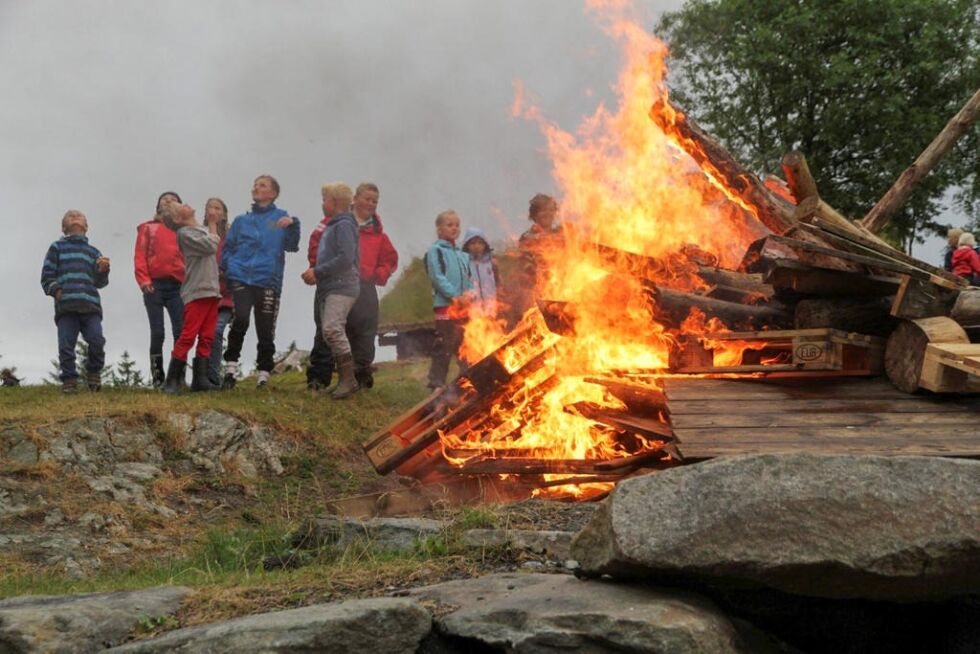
column 284, row 222
column 147, row 289
column 57, row 295
column 309, row 276
column 102, row 264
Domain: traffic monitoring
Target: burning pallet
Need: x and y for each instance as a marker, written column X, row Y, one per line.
column 818, row 296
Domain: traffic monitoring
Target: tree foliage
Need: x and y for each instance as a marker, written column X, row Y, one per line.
column 861, row 88
column 125, row 373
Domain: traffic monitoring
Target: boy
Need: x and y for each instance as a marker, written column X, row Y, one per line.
column 338, row 283
column 252, row 260
column 73, row 272
column 449, row 274
column 200, row 293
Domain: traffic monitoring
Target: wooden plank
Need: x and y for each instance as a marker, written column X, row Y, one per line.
column 677, row 388
column 821, row 419
column 709, row 450
column 793, row 276
column 906, row 404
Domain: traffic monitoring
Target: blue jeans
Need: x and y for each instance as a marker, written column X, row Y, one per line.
column 225, row 316
column 90, row 326
column 165, row 295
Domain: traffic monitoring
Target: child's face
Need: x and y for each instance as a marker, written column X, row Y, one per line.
column 213, row 212
column 448, row 229
column 168, row 198
column 546, row 217
column 476, row 247
column 184, row 216
column 365, row 204
column 74, row 224
column 262, row 191
column 329, row 205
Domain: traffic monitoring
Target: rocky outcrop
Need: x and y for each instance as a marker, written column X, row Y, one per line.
column 80, row 623
column 392, row 534
column 545, row 613
column 389, row 625
column 221, row 443
column 552, row 544
column 887, row 528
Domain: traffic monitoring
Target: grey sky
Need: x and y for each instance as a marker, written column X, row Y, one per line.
column 108, row 103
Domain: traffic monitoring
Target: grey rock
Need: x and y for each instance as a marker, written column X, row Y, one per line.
column 80, row 623
column 220, row 443
column 553, row 544
column 93, row 521
column 17, row 499
column 889, row 528
column 55, row 518
column 393, row 534
column 552, row 613
column 95, row 445
column 23, row 451
column 137, row 471
column 375, row 625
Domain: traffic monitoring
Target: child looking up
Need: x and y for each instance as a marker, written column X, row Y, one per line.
column 200, row 293
column 966, row 261
column 449, row 274
column 216, row 211
column 73, row 272
column 483, row 271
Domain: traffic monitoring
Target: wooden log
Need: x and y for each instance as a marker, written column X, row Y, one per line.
column 674, row 306
column 798, row 176
column 794, row 278
column 863, row 315
column 640, row 399
column 895, row 197
column 917, row 298
column 906, row 348
column 738, row 184
column 763, row 253
column 966, row 310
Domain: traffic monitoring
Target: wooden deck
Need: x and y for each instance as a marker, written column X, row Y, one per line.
column 721, row 417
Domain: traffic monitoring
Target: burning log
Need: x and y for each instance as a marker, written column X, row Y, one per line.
column 905, row 350
column 896, row 196
column 673, row 307
column 740, row 185
column 862, row 315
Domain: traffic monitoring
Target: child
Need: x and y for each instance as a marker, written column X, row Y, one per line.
column 200, row 294
column 544, row 235
column 966, row 261
column 449, row 274
column 952, row 242
column 252, row 259
column 216, row 211
column 73, row 272
column 483, row 270
column 338, row 283
column 159, row 270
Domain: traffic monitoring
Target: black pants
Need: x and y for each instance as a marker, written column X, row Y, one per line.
column 320, row 368
column 265, row 302
column 449, row 336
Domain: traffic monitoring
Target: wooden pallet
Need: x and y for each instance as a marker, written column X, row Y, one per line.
column 951, row 368
column 799, row 351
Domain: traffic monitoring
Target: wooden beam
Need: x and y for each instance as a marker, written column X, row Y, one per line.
column 895, row 197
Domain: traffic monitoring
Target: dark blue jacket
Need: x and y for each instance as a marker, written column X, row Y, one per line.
column 254, row 250
column 70, row 266
column 338, row 258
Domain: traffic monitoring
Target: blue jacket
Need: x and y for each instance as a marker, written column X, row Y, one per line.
column 449, row 272
column 69, row 266
column 483, row 273
column 338, row 258
column 254, row 250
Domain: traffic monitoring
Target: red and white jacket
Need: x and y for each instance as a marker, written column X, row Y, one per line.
column 377, row 255
column 157, row 254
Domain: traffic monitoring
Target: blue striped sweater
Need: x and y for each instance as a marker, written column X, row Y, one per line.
column 70, row 267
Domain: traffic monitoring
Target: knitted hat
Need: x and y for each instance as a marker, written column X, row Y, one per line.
column 173, row 193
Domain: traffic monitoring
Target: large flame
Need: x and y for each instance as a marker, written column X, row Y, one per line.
column 624, row 183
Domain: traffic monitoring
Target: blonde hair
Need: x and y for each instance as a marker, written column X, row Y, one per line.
column 338, row 191
column 441, row 218
column 366, row 186
column 168, row 213
column 953, row 235
column 69, row 214
column 966, row 238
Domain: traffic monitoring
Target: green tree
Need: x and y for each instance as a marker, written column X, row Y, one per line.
column 125, row 373
column 860, row 87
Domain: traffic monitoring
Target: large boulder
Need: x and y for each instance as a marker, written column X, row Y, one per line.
column 891, row 528
column 551, row 613
column 387, row 625
column 80, row 623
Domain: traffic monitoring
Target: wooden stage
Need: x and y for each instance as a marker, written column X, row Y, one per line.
column 726, row 417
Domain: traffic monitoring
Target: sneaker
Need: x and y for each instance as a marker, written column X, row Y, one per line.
column 69, row 386
column 94, row 381
column 263, row 380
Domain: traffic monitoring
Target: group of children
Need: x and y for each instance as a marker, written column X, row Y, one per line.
column 212, row 275
column 962, row 256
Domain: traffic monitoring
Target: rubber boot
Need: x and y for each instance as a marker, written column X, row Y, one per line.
column 156, row 370
column 199, row 375
column 175, row 377
column 347, row 384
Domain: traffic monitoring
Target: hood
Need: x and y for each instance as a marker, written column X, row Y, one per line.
column 341, row 217
column 475, row 232
column 375, row 225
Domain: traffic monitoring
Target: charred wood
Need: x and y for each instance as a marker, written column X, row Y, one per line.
column 674, row 307
column 863, row 315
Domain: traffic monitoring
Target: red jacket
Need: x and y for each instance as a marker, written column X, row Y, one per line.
column 378, row 256
column 226, row 301
column 315, row 241
column 966, row 261
column 157, row 254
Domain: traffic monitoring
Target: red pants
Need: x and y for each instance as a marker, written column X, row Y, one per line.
column 200, row 319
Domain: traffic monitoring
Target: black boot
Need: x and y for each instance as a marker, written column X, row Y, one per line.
column 347, row 383
column 175, row 377
column 156, row 370
column 199, row 375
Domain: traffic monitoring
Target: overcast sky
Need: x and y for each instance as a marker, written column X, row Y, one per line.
column 108, row 103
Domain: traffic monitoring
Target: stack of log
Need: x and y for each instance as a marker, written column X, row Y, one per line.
column 819, row 295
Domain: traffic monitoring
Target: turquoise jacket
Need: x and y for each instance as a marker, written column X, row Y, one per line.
column 449, row 272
